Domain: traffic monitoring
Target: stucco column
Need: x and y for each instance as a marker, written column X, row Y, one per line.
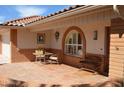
column 13, row 39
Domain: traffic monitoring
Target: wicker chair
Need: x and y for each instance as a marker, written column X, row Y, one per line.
column 39, row 55
column 54, row 59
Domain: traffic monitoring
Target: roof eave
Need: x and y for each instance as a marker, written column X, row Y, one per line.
column 11, row 27
column 68, row 13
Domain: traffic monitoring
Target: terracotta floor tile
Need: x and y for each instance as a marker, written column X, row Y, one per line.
column 37, row 74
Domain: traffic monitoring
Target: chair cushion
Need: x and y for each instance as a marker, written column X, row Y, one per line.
column 53, row 58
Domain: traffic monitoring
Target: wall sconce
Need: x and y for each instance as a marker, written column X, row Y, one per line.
column 95, row 35
column 57, row 35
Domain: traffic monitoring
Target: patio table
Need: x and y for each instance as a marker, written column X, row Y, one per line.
column 44, row 56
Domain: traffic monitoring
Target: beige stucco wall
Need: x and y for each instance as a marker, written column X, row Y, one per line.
column 92, row 46
column 88, row 22
column 28, row 40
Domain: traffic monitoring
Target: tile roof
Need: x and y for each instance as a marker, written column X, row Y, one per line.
column 23, row 21
column 64, row 10
column 28, row 20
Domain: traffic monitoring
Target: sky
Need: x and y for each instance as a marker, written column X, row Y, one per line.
column 10, row 12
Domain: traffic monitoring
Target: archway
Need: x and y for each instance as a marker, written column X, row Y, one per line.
column 71, row 43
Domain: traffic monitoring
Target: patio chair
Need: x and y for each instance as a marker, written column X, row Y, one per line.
column 39, row 55
column 54, row 59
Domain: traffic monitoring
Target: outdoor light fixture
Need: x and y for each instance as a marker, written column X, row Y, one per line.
column 95, row 35
column 57, row 35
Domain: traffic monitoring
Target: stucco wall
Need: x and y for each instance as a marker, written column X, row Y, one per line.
column 28, row 40
column 92, row 46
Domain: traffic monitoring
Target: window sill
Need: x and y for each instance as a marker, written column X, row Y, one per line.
column 73, row 55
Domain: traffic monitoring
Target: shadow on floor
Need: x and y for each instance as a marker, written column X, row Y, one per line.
column 16, row 83
column 42, row 85
column 55, row 85
column 81, row 85
column 111, row 83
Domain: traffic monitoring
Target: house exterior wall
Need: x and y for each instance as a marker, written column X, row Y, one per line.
column 28, row 40
column 87, row 22
column 19, row 54
column 24, row 43
column 93, row 46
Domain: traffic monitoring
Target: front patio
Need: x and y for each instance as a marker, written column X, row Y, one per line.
column 46, row 75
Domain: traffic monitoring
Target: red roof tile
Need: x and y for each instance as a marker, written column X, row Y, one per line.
column 23, row 21
column 28, row 20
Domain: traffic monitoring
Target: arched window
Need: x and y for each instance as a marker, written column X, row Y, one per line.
column 73, row 44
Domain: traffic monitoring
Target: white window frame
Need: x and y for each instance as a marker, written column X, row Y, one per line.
column 70, row 34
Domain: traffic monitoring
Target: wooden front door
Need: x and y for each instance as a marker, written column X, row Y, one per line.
column 116, row 57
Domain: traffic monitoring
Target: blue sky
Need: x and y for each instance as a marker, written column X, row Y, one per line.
column 10, row 12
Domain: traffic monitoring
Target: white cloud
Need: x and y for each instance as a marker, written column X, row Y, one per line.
column 29, row 10
column 2, row 19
